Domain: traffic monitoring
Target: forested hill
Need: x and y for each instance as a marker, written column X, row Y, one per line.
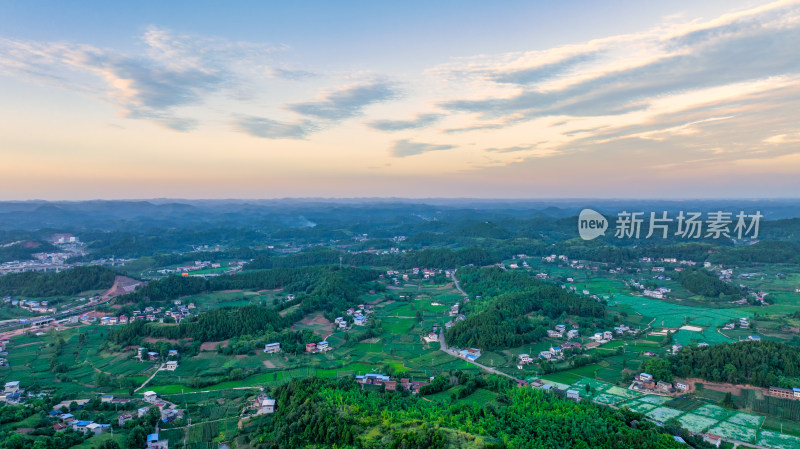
column 329, row 290
column 324, row 413
column 290, row 279
column 708, row 284
column 69, row 282
column 500, row 318
column 760, row 363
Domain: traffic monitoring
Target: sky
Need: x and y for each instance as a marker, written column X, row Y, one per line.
column 528, row 99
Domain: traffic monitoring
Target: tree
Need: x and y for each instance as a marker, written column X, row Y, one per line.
column 727, row 401
column 108, row 444
column 137, row 438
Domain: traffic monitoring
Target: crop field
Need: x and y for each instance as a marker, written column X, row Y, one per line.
column 777, row 440
column 694, row 414
column 696, row 423
column 605, row 398
column 685, row 403
column 713, row 411
column 675, row 315
column 734, row 431
column 639, row 406
column 663, row 414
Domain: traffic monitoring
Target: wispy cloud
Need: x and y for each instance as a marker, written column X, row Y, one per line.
column 405, row 147
column 757, row 45
column 293, row 74
column 273, row 129
column 174, row 71
column 347, row 102
column 421, row 121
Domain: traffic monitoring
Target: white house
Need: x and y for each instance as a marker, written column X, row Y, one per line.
column 12, row 387
column 271, row 348
column 430, row 338
column 97, row 429
column 573, row 394
column 150, row 396
column 524, row 359
column 264, row 405
column 171, row 365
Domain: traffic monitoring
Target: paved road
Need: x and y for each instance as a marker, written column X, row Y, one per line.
column 443, row 347
column 149, row 378
column 455, row 283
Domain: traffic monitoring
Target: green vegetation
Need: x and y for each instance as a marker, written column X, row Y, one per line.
column 759, row 363
column 502, row 321
column 707, row 284
column 69, row 282
column 340, row 414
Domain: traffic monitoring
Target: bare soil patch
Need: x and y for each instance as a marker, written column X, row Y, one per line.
column 212, row 345
column 723, row 387
column 155, row 340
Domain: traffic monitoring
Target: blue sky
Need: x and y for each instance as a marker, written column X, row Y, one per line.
column 450, row 99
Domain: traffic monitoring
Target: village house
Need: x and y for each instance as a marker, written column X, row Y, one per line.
column 271, row 348
column 432, row 337
column 172, row 353
column 572, row 333
column 573, row 394
column 122, row 419
column 782, row 392
column 11, row 387
column 553, row 333
column 80, row 426
column 311, row 347
column 107, row 398
column 681, row 386
column 154, row 443
column 97, row 429
column 264, row 405
column 323, row 346
column 714, row 440
column 171, row 365
column 372, row 378
column 663, row 386
column 150, row 396
column 525, row 359
column 59, row 427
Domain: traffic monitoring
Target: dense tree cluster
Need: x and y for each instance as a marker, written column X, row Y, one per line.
column 704, row 283
column 68, row 282
column 329, row 290
column 24, row 250
column 501, row 320
column 326, row 413
column 760, row 363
